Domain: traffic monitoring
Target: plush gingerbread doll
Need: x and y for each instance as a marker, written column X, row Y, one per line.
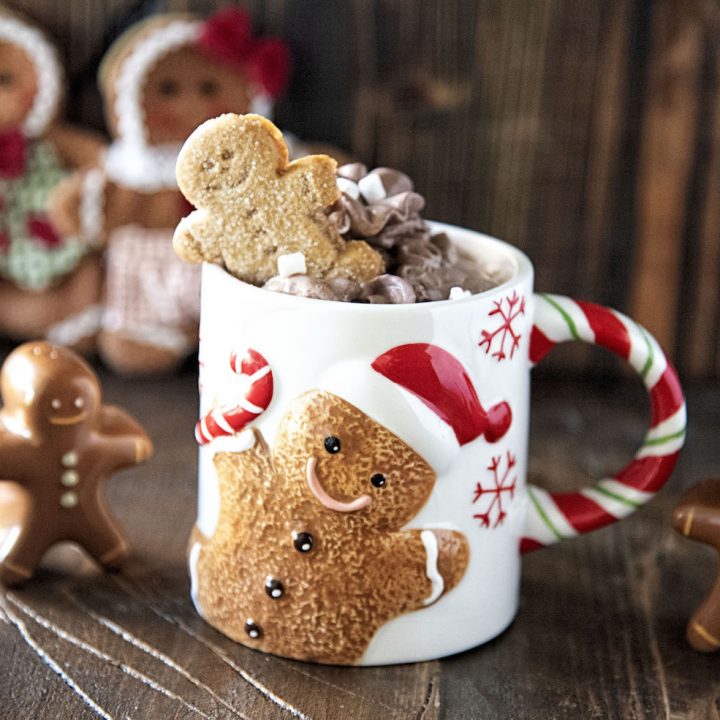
column 46, row 276
column 58, row 443
column 160, row 80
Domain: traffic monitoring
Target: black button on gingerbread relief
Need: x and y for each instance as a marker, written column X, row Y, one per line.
column 252, row 629
column 332, row 444
column 303, row 541
column 274, row 587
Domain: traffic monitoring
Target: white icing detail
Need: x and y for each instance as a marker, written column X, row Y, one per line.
column 69, row 459
column 70, row 478
column 458, row 293
column 349, row 187
column 8, row 541
column 92, row 203
column 72, row 329
column 142, row 167
column 47, row 69
column 291, row 264
column 429, row 540
column 55, row 404
column 69, row 499
column 193, row 556
column 241, row 442
column 372, row 188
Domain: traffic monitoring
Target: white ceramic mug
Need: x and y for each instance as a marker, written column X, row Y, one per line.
column 451, row 380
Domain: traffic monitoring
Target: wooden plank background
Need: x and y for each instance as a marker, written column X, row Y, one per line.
column 587, row 132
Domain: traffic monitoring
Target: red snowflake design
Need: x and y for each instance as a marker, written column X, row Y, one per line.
column 504, row 339
column 493, row 496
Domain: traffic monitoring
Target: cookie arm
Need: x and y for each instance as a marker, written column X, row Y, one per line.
column 313, row 179
column 196, row 240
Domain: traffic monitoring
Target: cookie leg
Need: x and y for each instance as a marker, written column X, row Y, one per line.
column 102, row 537
column 23, row 557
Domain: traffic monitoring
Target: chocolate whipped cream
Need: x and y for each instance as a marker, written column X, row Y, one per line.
column 382, row 208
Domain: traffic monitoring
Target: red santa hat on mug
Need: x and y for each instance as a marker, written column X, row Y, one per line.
column 422, row 394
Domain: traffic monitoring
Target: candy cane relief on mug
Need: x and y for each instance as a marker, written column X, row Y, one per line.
column 364, row 383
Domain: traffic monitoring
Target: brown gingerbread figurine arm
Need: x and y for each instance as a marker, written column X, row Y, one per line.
column 14, row 450
column 124, row 450
column 698, row 517
column 76, row 147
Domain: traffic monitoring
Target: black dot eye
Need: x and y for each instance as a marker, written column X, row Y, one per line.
column 378, row 480
column 169, row 88
column 332, row 444
column 252, row 629
column 6, row 79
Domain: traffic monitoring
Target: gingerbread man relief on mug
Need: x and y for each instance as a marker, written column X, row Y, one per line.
column 46, row 276
column 310, row 556
column 160, row 80
column 58, row 444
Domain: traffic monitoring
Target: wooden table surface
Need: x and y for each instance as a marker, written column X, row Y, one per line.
column 600, row 633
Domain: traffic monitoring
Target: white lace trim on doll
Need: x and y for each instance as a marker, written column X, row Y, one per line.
column 146, row 168
column 159, row 336
column 92, row 206
column 146, row 54
column 73, row 329
column 47, row 68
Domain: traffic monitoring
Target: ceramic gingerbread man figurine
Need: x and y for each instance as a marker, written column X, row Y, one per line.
column 698, row 517
column 58, row 444
column 311, row 553
column 46, row 277
column 160, row 80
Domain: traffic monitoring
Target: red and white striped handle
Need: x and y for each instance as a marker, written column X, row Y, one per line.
column 230, row 419
column 559, row 516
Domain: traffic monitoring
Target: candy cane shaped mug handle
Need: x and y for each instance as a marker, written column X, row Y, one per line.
column 553, row 516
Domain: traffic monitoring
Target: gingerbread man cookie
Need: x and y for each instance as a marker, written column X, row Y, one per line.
column 698, row 517
column 58, row 444
column 334, row 565
column 255, row 206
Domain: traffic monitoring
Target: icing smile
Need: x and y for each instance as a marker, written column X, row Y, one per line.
column 330, row 502
column 70, row 420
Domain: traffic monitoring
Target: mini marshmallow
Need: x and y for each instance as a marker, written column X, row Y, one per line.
column 291, row 264
column 458, row 293
column 372, row 188
column 349, row 187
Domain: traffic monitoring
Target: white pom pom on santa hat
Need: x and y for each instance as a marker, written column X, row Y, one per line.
column 421, row 393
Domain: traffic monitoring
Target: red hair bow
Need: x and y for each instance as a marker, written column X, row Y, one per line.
column 227, row 37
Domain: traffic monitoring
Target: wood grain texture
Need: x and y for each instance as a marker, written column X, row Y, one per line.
column 600, row 632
